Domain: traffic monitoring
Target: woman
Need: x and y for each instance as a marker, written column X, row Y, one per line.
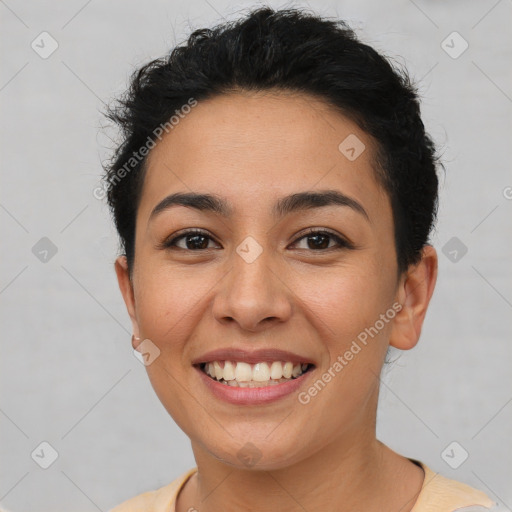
column 274, row 194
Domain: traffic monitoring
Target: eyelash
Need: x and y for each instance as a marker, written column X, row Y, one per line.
column 342, row 243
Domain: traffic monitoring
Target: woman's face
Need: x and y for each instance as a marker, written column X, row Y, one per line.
column 254, row 282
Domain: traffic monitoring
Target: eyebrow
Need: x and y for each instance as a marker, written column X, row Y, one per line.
column 283, row 206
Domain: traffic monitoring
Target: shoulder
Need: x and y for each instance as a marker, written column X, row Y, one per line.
column 441, row 494
column 159, row 500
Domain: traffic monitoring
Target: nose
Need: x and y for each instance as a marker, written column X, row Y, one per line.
column 253, row 295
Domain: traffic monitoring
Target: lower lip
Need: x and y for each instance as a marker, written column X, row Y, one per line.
column 252, row 396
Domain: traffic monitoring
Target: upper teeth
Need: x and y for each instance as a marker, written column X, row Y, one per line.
column 259, row 372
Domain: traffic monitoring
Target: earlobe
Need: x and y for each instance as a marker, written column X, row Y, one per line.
column 126, row 287
column 415, row 291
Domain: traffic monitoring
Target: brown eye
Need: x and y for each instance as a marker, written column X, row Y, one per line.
column 192, row 240
column 321, row 240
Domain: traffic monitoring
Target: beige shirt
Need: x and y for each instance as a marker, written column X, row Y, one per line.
column 438, row 494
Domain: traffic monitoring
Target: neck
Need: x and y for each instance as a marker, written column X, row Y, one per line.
column 352, row 472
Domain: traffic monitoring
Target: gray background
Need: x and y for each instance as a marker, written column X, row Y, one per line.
column 68, row 374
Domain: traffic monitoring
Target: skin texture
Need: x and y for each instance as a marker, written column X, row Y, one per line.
column 252, row 149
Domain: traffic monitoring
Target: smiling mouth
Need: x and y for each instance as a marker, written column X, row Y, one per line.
column 245, row 375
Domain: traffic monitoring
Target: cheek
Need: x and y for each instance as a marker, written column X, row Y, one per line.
column 168, row 305
column 345, row 307
column 345, row 300
column 172, row 303
column 165, row 305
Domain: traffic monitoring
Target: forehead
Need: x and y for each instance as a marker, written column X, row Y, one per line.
column 254, row 147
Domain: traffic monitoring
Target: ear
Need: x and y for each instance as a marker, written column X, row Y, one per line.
column 126, row 287
column 414, row 292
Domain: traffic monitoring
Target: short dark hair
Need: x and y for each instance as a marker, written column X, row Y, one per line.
column 286, row 50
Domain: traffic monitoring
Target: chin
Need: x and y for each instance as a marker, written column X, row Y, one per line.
column 262, row 455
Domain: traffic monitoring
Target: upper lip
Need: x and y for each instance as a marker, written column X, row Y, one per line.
column 267, row 355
